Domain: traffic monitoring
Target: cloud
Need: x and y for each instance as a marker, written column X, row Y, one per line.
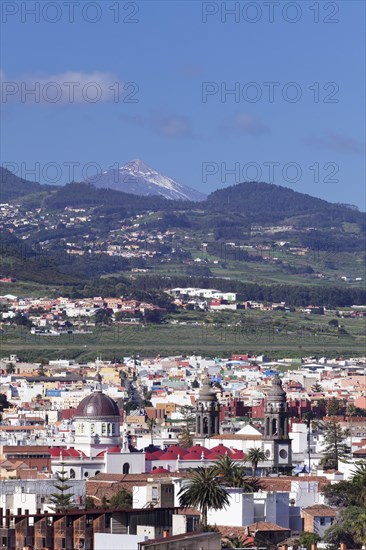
column 70, row 87
column 174, row 126
column 242, row 123
column 337, row 142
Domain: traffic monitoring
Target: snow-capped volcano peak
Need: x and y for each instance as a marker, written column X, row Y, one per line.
column 138, row 178
column 137, row 166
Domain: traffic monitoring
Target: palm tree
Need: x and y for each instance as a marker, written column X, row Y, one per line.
column 225, row 467
column 151, row 423
column 255, row 455
column 239, row 542
column 358, row 479
column 203, row 491
column 233, row 475
column 307, row 418
column 351, row 411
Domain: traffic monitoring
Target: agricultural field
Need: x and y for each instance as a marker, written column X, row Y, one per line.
column 277, row 334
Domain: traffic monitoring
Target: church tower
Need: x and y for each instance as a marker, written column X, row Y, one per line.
column 207, row 410
column 276, row 442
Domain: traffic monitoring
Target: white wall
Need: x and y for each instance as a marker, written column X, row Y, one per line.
column 114, row 462
column 139, row 497
column 106, row 541
column 305, row 493
column 239, row 512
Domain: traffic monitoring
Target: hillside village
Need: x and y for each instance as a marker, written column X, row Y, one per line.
column 148, row 240
column 66, row 315
column 138, row 427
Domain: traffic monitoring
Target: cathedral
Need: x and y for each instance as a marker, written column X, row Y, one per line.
column 207, row 411
column 276, row 441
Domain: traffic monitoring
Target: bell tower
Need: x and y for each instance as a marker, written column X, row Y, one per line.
column 207, row 410
column 276, row 442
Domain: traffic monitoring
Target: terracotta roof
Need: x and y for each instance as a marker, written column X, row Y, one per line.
column 283, row 483
column 266, row 526
column 21, row 449
column 234, row 531
column 320, row 510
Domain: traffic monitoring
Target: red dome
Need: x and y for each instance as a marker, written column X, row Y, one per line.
column 114, row 450
column 174, row 451
column 221, row 450
column 193, row 456
column 159, row 470
column 238, row 455
column 75, row 452
column 156, row 455
column 198, row 449
column 55, row 452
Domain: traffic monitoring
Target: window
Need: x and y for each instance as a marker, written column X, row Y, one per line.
column 72, row 474
column 126, row 468
column 322, row 521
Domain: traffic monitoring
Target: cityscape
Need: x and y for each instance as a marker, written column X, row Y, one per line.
column 182, row 275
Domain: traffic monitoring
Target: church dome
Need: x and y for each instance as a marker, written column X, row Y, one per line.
column 96, row 405
column 206, row 392
column 276, row 391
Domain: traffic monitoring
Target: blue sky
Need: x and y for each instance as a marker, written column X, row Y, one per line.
column 149, row 82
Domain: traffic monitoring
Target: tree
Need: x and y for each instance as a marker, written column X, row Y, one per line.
column 187, row 414
column 333, row 407
column 317, row 388
column 232, row 474
column 351, row 412
column 4, row 403
column 335, row 447
column 358, row 482
column 203, row 491
column 308, row 539
column 102, row 317
column 10, row 368
column 255, row 455
column 349, row 528
column 151, row 423
column 22, row 320
column 41, row 371
column 63, row 499
column 237, row 542
column 307, row 418
column 185, row 439
column 89, row 503
column 123, row 499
